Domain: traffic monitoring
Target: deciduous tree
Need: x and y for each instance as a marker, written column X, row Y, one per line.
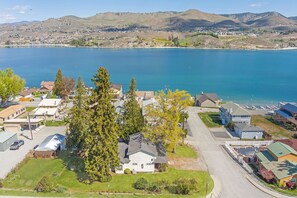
column 131, row 118
column 165, row 116
column 10, row 85
column 101, row 140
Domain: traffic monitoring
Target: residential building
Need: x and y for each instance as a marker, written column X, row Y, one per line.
column 290, row 143
column 50, row 146
column 144, row 95
column 7, row 139
column 246, row 131
column 232, row 112
column 117, row 91
column 28, row 93
column 287, row 114
column 11, row 112
column 278, row 163
column 140, row 155
column 207, row 100
column 48, row 109
column 46, row 87
column 19, row 125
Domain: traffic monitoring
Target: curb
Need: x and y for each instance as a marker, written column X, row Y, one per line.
column 216, row 191
column 265, row 189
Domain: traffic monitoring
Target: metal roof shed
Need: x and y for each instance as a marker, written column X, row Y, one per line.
column 7, row 139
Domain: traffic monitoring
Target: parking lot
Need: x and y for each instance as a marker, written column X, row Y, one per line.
column 10, row 158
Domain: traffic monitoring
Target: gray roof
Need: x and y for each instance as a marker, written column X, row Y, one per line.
column 205, row 96
column 235, row 109
column 5, row 136
column 248, row 128
column 51, row 143
column 138, row 143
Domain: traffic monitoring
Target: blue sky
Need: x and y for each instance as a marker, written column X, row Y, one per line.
column 28, row 10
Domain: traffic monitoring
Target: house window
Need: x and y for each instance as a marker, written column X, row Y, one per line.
column 142, row 166
column 134, row 164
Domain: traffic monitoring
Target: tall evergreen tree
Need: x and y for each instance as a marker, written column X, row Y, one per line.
column 78, row 118
column 59, row 83
column 131, row 119
column 101, row 140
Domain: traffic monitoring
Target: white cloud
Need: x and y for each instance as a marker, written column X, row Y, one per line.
column 258, row 4
column 6, row 17
column 21, row 9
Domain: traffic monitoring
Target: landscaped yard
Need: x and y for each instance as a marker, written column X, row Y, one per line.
column 27, row 176
column 270, row 127
column 54, row 123
column 211, row 119
column 184, row 151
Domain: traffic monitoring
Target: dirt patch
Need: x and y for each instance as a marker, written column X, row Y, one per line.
column 187, row 163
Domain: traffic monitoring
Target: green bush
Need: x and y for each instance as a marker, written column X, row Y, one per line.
column 185, row 186
column 127, row 171
column 61, row 189
column 163, row 167
column 163, row 183
column 154, row 188
column 1, row 183
column 141, row 184
column 45, row 185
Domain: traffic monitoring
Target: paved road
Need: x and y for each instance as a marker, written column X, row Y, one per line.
column 9, row 159
column 230, row 174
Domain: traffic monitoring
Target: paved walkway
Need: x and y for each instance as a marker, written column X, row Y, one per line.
column 225, row 171
column 9, row 159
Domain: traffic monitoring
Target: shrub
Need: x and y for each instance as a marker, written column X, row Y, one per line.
column 185, row 186
column 163, row 167
column 45, row 185
column 154, row 188
column 1, row 183
column 141, row 184
column 163, row 183
column 61, row 189
column 127, row 171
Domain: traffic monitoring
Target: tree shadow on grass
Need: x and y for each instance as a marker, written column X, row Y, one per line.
column 215, row 118
column 75, row 163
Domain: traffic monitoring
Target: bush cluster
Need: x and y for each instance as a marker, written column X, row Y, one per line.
column 127, row 171
column 45, row 185
column 182, row 186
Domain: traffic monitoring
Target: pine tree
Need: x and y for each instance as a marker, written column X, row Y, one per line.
column 78, row 118
column 101, row 141
column 131, row 119
column 59, row 84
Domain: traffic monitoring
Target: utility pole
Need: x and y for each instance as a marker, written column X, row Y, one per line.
column 30, row 126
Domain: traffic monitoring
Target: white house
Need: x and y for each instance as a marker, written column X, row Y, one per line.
column 48, row 109
column 140, row 155
column 245, row 131
column 235, row 113
column 50, row 103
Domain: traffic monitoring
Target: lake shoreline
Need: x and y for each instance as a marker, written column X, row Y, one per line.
column 90, row 47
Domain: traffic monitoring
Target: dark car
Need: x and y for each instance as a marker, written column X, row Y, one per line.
column 17, row 144
column 295, row 135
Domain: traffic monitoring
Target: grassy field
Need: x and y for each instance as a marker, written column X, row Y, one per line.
column 54, row 123
column 210, row 119
column 270, row 127
column 183, row 151
column 27, row 176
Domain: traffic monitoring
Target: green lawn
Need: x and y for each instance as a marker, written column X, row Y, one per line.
column 183, row 151
column 27, row 176
column 29, row 109
column 55, row 123
column 211, row 119
column 270, row 127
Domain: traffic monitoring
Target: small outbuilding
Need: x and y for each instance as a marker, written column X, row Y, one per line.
column 50, row 146
column 246, row 131
column 7, row 139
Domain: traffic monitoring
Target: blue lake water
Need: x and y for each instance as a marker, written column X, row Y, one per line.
column 241, row 76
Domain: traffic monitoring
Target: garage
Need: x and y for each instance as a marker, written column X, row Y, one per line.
column 7, row 139
column 19, row 125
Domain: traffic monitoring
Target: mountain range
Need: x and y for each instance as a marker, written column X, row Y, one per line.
column 113, row 26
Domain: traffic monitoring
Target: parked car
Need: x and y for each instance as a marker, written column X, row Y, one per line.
column 17, row 144
column 295, row 135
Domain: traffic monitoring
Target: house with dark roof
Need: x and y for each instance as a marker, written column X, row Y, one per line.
column 140, row 155
column 207, row 100
column 246, row 131
column 278, row 163
column 232, row 112
column 287, row 114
